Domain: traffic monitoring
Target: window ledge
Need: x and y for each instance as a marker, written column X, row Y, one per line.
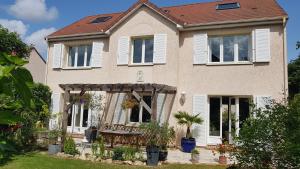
column 229, row 63
column 142, row 64
column 77, row 68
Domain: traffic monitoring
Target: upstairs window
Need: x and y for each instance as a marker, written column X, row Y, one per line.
column 142, row 50
column 79, row 56
column 230, row 49
column 101, row 19
column 226, row 6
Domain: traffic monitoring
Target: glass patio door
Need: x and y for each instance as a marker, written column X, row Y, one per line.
column 78, row 118
column 227, row 114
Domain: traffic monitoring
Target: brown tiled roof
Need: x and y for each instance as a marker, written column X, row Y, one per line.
column 185, row 15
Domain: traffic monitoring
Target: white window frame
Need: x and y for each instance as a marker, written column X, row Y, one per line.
column 140, row 112
column 236, row 50
column 143, row 50
column 76, row 57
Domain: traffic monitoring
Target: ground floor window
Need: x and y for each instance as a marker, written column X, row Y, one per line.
column 139, row 114
column 226, row 115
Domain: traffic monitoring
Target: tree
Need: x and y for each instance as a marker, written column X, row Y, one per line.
column 294, row 76
column 15, row 97
column 271, row 138
column 11, row 43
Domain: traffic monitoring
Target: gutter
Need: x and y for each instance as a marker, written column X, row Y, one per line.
column 230, row 24
column 76, row 36
column 285, row 58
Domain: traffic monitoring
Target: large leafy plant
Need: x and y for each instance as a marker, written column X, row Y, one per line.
column 152, row 130
column 184, row 118
column 271, row 138
column 167, row 134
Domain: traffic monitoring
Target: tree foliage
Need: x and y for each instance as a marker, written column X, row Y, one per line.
column 271, row 139
column 294, row 77
column 10, row 42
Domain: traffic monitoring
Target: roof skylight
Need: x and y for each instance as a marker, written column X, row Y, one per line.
column 226, row 6
column 101, row 19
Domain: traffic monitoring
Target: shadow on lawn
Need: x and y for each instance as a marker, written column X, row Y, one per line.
column 10, row 155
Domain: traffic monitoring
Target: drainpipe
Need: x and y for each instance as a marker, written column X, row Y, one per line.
column 47, row 62
column 285, row 74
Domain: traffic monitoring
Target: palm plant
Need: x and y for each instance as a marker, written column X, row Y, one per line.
column 188, row 120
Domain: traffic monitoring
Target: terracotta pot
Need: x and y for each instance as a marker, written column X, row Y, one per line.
column 223, row 159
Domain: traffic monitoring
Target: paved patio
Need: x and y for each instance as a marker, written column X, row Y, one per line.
column 175, row 155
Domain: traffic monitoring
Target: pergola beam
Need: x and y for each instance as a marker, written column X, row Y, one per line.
column 121, row 87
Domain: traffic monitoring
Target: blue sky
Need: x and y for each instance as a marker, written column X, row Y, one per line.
column 34, row 19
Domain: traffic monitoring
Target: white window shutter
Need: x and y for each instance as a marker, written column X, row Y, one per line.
column 123, row 51
column 160, row 48
column 57, row 55
column 97, row 54
column 120, row 114
column 200, row 48
column 200, row 131
column 263, row 101
column 161, row 98
column 55, row 109
column 262, row 45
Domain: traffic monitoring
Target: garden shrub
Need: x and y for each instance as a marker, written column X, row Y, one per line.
column 98, row 148
column 70, row 147
column 271, row 138
column 124, row 153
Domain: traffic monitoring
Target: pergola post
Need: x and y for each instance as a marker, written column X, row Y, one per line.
column 105, row 111
column 154, row 106
column 65, row 115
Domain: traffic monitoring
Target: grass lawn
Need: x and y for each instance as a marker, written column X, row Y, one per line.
column 39, row 161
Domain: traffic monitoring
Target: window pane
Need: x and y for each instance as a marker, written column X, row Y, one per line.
column 70, row 116
column 214, row 117
column 77, row 115
column 85, row 116
column 89, row 53
column 80, row 59
column 228, row 44
column 215, row 49
column 146, row 117
column 135, row 114
column 243, row 46
column 137, row 50
column 244, row 110
column 71, row 59
column 148, row 50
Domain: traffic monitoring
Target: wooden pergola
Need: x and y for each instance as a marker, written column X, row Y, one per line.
column 110, row 89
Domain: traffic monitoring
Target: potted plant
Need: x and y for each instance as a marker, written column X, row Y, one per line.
column 222, row 149
column 195, row 156
column 188, row 143
column 152, row 130
column 167, row 134
column 54, row 147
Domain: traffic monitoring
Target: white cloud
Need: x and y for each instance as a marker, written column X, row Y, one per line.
column 33, row 10
column 37, row 39
column 14, row 26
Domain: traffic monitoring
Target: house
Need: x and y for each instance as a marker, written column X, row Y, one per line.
column 36, row 66
column 213, row 58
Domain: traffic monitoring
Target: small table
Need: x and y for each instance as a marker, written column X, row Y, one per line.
column 114, row 133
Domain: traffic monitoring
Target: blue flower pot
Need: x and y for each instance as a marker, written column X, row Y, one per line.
column 188, row 144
